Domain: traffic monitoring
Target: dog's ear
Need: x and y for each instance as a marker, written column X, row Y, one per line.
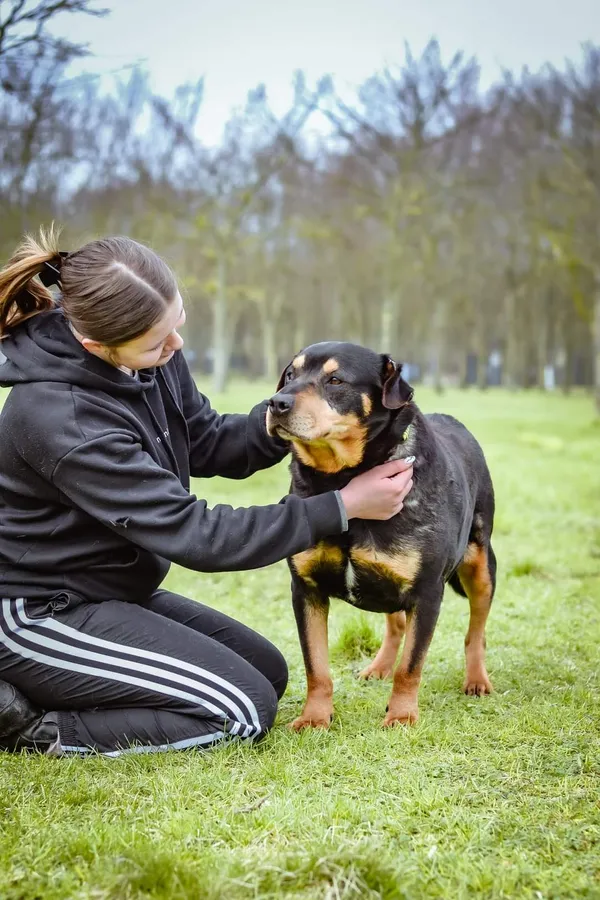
column 281, row 381
column 396, row 391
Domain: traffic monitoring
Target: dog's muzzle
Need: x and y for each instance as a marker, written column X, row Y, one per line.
column 279, row 407
column 281, row 404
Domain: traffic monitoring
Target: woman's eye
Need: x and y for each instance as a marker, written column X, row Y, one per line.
column 335, row 380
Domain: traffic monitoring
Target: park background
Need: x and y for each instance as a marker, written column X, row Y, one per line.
column 425, row 181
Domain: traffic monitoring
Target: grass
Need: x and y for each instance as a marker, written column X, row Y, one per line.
column 494, row 798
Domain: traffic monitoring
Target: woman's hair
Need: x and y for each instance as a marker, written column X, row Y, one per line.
column 112, row 290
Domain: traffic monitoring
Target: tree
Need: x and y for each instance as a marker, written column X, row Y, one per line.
column 24, row 23
column 451, row 227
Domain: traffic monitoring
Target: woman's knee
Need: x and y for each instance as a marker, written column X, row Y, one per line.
column 259, row 708
column 270, row 661
column 268, row 705
column 278, row 671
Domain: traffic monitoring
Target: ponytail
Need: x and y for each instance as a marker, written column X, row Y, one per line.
column 22, row 293
column 112, row 289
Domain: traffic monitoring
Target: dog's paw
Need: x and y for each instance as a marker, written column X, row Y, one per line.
column 477, row 684
column 408, row 717
column 376, row 672
column 312, row 719
column 403, row 712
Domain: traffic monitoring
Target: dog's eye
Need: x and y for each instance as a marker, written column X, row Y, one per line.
column 289, row 375
column 335, row 380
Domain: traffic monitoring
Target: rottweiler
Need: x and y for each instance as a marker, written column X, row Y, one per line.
column 345, row 409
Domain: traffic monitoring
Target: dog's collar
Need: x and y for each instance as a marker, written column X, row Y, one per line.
column 401, row 450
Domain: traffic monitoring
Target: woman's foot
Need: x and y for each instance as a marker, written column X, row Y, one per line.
column 23, row 726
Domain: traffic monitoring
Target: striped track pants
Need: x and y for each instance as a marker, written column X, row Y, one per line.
column 171, row 674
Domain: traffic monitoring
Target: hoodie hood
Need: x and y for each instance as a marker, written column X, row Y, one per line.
column 44, row 348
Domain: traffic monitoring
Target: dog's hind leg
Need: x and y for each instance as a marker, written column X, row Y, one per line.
column 477, row 573
column 385, row 662
column 454, row 582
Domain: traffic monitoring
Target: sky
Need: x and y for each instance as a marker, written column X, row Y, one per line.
column 237, row 44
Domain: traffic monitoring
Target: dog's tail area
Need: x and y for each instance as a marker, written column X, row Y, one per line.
column 454, row 582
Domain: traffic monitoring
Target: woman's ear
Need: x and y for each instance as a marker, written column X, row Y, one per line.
column 99, row 350
column 396, row 391
column 93, row 347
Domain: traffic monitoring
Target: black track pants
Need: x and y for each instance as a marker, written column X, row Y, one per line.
column 128, row 678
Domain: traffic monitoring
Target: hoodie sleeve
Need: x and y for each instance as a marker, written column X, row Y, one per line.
column 233, row 446
column 113, row 480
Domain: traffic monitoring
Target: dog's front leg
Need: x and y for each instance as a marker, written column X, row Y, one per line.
column 403, row 707
column 312, row 610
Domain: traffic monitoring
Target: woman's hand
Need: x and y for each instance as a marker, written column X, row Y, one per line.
column 380, row 492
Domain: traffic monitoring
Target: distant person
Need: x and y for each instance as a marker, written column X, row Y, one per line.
column 99, row 436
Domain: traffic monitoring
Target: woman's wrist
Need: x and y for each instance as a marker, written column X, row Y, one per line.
column 343, row 510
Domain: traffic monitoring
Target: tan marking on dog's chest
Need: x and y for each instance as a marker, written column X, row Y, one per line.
column 322, row 556
column 401, row 567
column 332, row 454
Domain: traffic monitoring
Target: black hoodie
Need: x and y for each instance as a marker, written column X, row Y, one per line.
column 95, row 468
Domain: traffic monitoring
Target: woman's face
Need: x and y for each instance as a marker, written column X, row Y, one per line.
column 153, row 348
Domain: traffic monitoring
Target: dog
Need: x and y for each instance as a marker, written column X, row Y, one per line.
column 344, row 409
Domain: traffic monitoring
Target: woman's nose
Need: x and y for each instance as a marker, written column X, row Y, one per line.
column 175, row 341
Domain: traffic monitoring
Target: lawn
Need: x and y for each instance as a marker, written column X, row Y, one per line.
column 495, row 797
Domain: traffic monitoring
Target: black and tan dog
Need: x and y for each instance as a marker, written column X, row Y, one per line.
column 346, row 409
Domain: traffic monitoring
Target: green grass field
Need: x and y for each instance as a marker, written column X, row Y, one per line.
column 497, row 797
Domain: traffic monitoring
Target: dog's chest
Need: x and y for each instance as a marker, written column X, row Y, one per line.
column 371, row 579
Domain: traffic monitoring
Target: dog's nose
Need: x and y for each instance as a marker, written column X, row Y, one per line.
column 281, row 404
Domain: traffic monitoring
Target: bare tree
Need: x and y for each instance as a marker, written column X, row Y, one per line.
column 455, row 228
column 24, row 23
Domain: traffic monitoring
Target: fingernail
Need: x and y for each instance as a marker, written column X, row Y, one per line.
column 409, row 460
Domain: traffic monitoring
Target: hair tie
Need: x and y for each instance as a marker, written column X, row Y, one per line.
column 51, row 269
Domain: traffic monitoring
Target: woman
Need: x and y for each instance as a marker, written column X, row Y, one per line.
column 99, row 436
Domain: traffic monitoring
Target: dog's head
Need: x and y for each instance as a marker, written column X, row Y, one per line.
column 331, row 397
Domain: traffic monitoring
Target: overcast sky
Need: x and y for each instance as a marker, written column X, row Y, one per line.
column 237, row 44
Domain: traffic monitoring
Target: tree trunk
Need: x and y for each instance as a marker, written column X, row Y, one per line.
column 436, row 351
column 220, row 330
column 387, row 325
column 596, row 343
column 337, row 313
column 299, row 333
column 566, row 355
column 511, row 375
column 358, row 333
column 481, row 350
column 464, row 371
column 196, row 339
column 542, row 350
column 270, row 354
